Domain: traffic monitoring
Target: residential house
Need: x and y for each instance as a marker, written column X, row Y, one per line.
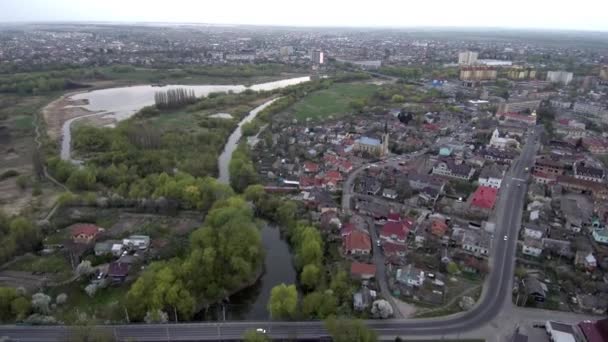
column 362, row 271
column 369, row 185
column 585, row 260
column 394, row 217
column 410, row 276
column 389, row 193
column 600, row 235
column 418, row 181
column 103, row 248
column 532, row 247
column 595, row 145
column 396, row 232
column 84, row 233
column 496, row 155
column 118, row 272
column 491, row 176
column 534, row 231
column 394, row 249
column 357, row 243
column 310, row 167
column 543, row 178
column 451, row 168
column 558, row 247
column 362, row 299
column 473, row 241
column 535, row 288
column 484, row 198
column 141, row 242
column 329, row 221
column 588, row 173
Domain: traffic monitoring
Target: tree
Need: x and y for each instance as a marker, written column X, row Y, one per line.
column 254, row 336
column 382, row 309
column 254, row 193
column 41, row 302
column 91, row 289
column 23, row 181
column 7, row 295
column 21, row 307
column 397, row 98
column 61, row 299
column 82, row 179
column 345, row 330
column 319, row 304
column 286, row 213
column 283, row 301
column 452, row 268
column 84, row 269
column 340, row 286
column 311, row 274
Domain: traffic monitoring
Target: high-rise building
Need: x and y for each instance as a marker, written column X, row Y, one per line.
column 604, row 73
column 318, row 57
column 562, row 77
column 477, row 73
column 521, row 73
column 467, row 58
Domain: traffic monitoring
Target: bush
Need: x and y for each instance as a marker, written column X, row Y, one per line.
column 23, row 181
column 8, row 174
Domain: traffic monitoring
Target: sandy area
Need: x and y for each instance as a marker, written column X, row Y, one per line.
column 58, row 112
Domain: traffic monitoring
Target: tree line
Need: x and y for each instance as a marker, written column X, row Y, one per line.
column 174, row 98
column 18, row 236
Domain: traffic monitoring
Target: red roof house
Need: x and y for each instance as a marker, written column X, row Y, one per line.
column 85, row 232
column 360, row 270
column 395, row 231
column 484, row 197
column 393, row 249
column 311, row 167
column 438, row 228
column 357, row 243
column 395, row 217
column 595, row 331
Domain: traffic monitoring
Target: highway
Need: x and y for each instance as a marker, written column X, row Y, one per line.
column 495, row 296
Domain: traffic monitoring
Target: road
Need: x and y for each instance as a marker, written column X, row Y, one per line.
column 495, row 299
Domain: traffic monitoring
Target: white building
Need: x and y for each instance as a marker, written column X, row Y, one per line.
column 532, row 247
column 467, row 58
column 560, row 332
column 501, row 143
column 562, row 77
column 137, row 241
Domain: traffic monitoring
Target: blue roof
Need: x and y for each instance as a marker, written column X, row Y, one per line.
column 369, row 141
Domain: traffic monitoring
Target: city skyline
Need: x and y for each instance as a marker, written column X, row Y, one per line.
column 314, row 13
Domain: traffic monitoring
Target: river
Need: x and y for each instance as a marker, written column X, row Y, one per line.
column 123, row 102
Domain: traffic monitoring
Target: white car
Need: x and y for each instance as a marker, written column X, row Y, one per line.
column 506, row 237
column 260, row 330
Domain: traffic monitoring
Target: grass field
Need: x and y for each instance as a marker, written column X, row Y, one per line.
column 334, row 101
column 107, row 304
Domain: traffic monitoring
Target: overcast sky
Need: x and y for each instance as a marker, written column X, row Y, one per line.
column 550, row 14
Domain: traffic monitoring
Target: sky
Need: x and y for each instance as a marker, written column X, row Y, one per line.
column 540, row 14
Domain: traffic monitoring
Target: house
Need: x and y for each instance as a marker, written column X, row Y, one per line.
column 357, row 243
column 141, row 242
column 474, row 241
column 419, row 182
column 595, row 331
column 369, row 185
column 491, row 176
column 548, row 165
column 588, row 173
column 499, row 156
column 330, row 221
column 543, row 178
column 362, row 271
column 118, row 271
column 393, row 249
column 535, row 289
column 394, row 217
column 438, row 227
column 117, row 249
column 451, row 168
column 347, row 229
column 532, row 247
column 395, row 232
column 84, row 233
column 585, row 260
column 389, row 193
column 410, row 276
column 103, row 248
column 600, row 235
column 310, row 167
column 484, row 197
column 560, row 332
column 533, row 231
column 558, row 247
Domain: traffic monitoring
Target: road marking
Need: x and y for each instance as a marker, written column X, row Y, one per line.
column 519, row 179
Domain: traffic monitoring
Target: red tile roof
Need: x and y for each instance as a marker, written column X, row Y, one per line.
column 311, row 167
column 595, row 331
column 362, row 269
column 398, row 229
column 484, row 197
column 357, row 240
column 394, row 217
column 85, row 229
column 347, row 228
column 391, row 249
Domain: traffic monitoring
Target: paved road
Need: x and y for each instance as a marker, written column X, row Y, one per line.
column 495, row 299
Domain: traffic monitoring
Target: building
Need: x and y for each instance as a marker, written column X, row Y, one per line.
column 528, row 120
column 600, row 235
column 478, row 73
column 560, row 332
column 484, row 197
column 373, row 146
column 318, row 57
column 410, row 276
column 137, row 242
column 521, row 73
column 467, row 57
column 588, row 108
column 562, row 77
column 548, row 165
column 491, row 176
column 362, row 271
column 604, row 73
column 532, row 247
column 84, row 233
column 118, row 271
column 357, row 243
column 502, row 142
column 395, row 232
column 453, row 169
column 588, row 173
column 518, row 106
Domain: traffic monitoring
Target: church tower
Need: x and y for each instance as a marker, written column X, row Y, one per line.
column 385, row 140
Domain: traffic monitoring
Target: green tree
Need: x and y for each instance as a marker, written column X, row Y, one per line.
column 397, row 98
column 254, row 193
column 340, row 285
column 21, row 308
column 310, row 277
column 345, row 330
column 286, row 213
column 254, row 336
column 83, row 179
column 319, row 304
column 452, row 268
column 7, row 295
column 283, row 301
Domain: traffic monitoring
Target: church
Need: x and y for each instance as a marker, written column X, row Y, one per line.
column 502, row 142
column 373, row 146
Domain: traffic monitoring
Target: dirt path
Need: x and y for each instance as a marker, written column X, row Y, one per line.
column 452, row 301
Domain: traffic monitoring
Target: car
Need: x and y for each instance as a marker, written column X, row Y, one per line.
column 378, row 243
column 506, row 238
column 519, row 185
column 260, row 330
